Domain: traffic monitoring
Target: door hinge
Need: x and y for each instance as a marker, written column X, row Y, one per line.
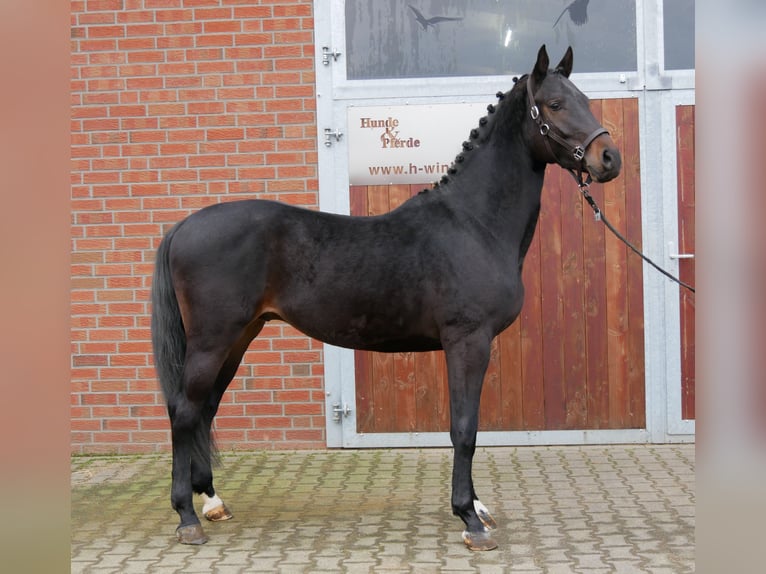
column 328, row 53
column 329, row 134
column 339, row 411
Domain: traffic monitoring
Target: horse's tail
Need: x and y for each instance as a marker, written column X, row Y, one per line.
column 168, row 336
column 169, row 346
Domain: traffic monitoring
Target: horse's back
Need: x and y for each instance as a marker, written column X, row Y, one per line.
column 331, row 276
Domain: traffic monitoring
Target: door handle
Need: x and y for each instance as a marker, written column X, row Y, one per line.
column 672, row 255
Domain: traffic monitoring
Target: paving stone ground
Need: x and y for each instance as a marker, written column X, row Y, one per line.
column 593, row 509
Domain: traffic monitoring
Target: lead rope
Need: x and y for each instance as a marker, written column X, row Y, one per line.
column 584, row 187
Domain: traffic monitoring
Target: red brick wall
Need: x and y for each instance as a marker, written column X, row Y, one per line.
column 177, row 104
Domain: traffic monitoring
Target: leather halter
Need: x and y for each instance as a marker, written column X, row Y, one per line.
column 577, row 151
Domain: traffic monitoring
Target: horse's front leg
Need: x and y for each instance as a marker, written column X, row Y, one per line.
column 467, row 361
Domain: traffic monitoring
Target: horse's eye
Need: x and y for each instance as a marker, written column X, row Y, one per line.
column 555, row 106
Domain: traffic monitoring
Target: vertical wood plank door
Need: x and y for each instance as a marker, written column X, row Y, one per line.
column 685, row 162
column 574, row 359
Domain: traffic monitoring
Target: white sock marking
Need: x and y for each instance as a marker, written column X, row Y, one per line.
column 479, row 507
column 210, row 503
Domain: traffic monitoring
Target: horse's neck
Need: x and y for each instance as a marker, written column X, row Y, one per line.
column 499, row 190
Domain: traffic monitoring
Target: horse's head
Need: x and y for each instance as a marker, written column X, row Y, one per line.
column 564, row 130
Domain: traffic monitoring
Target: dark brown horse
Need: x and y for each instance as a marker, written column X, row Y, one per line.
column 443, row 271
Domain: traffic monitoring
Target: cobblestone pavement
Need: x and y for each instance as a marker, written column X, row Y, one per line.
column 587, row 509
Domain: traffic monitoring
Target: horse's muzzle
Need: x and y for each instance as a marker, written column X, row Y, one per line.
column 603, row 160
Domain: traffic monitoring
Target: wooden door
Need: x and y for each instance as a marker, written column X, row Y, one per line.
column 574, row 359
column 685, row 163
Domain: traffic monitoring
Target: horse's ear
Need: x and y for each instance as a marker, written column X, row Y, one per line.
column 541, row 66
column 565, row 65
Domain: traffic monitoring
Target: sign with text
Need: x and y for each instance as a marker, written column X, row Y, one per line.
column 407, row 144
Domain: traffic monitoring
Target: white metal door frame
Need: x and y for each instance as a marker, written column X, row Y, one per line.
column 676, row 424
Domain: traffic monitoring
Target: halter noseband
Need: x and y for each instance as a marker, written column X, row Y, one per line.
column 577, row 151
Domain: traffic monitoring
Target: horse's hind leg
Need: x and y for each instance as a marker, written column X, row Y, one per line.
column 213, row 507
column 185, row 417
column 467, row 361
column 190, row 437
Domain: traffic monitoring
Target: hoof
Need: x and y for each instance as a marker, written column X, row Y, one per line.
column 218, row 514
column 484, row 515
column 191, row 534
column 479, row 540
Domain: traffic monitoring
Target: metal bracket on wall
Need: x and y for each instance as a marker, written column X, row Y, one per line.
column 327, row 53
column 339, row 411
column 329, row 134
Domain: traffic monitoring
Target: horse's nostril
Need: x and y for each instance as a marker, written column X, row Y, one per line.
column 607, row 159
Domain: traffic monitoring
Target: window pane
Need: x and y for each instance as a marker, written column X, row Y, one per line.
column 430, row 38
column 678, row 16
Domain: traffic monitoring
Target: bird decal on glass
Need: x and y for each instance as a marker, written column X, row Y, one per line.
column 578, row 12
column 426, row 22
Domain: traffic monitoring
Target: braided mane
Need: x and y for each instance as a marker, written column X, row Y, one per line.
column 507, row 113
